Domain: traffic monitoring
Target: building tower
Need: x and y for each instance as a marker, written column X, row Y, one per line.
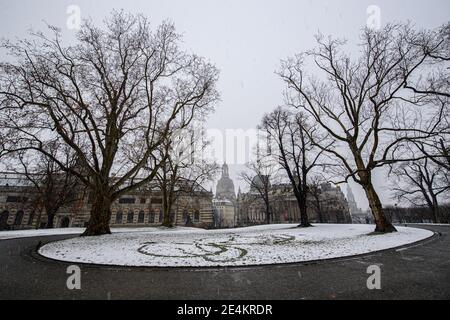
column 225, row 186
column 225, row 201
column 352, row 205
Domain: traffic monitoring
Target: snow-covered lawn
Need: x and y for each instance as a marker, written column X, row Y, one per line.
column 271, row 244
column 6, row 235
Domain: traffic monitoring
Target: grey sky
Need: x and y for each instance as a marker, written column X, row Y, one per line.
column 246, row 39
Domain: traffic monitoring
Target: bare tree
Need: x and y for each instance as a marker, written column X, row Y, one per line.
column 317, row 199
column 260, row 177
column 112, row 98
column 295, row 153
column 422, row 182
column 436, row 147
column 437, row 150
column 184, row 169
column 426, row 180
column 356, row 100
column 53, row 188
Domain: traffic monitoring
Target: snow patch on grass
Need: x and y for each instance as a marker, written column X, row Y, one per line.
column 272, row 244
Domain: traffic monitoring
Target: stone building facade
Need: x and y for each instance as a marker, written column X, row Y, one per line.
column 333, row 206
column 142, row 207
column 224, row 213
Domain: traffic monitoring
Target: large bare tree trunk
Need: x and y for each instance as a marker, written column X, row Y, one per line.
column 435, row 210
column 166, row 220
column 166, row 211
column 304, row 220
column 382, row 223
column 100, row 216
column 436, row 215
column 50, row 217
column 268, row 213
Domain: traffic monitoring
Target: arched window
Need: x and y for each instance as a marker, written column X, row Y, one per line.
column 185, row 215
column 65, row 221
column 130, row 217
column 19, row 218
column 141, row 217
column 197, row 216
column 151, row 218
column 119, row 217
column 31, row 218
column 4, row 219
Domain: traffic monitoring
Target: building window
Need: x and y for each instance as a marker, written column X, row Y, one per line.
column 31, row 218
column 16, row 199
column 127, row 200
column 197, row 216
column 119, row 217
column 65, row 222
column 185, row 216
column 130, row 217
column 156, row 201
column 143, row 200
column 151, row 218
column 19, row 218
column 141, row 217
column 161, row 217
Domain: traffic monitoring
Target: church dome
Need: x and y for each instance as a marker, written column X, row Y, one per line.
column 259, row 182
column 225, row 186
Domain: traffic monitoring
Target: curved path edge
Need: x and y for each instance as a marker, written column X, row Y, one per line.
column 34, row 253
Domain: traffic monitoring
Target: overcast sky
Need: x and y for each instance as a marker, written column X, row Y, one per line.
column 245, row 38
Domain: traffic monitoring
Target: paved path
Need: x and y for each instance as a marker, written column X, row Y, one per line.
column 419, row 272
